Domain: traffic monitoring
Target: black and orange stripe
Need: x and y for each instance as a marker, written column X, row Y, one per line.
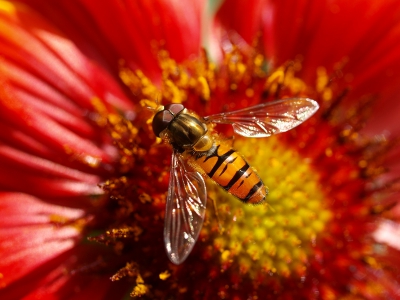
column 231, row 171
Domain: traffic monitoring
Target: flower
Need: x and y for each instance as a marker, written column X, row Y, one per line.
column 84, row 178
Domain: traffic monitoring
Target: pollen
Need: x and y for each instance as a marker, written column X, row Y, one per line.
column 164, row 275
column 60, row 221
column 140, row 289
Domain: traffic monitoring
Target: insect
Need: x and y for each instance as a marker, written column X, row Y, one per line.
column 198, row 152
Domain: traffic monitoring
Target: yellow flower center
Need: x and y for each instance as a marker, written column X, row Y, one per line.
column 276, row 237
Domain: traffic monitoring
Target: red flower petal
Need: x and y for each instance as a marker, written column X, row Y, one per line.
column 43, row 128
column 29, row 237
column 54, row 280
column 38, row 47
column 244, row 17
column 49, row 109
column 130, row 29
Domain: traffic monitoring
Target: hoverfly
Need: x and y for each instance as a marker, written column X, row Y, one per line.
column 198, row 151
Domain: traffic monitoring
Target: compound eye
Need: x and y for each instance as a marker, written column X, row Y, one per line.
column 161, row 121
column 175, row 108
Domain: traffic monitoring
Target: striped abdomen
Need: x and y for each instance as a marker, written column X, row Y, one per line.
column 227, row 168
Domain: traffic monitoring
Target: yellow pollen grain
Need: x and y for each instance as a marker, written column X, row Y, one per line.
column 327, row 94
column 58, row 219
column 183, row 80
column 225, row 255
column 204, row 88
column 249, row 92
column 91, row 161
column 258, row 60
column 362, row 163
column 296, row 85
column 277, row 76
column 322, row 84
column 137, row 82
column 241, row 68
column 173, row 91
column 164, row 275
column 372, row 262
column 328, row 152
column 322, row 79
column 63, row 221
column 140, row 289
column 101, row 110
column 256, row 239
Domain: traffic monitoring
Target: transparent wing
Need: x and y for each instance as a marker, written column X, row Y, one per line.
column 267, row 119
column 185, row 210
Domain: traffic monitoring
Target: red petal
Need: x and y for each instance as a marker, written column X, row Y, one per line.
column 39, row 252
column 44, row 129
column 56, row 280
column 28, row 236
column 244, row 17
column 31, row 174
column 48, row 88
column 12, row 159
column 130, row 29
column 39, row 48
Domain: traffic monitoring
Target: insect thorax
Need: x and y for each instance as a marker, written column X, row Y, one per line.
column 187, row 131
